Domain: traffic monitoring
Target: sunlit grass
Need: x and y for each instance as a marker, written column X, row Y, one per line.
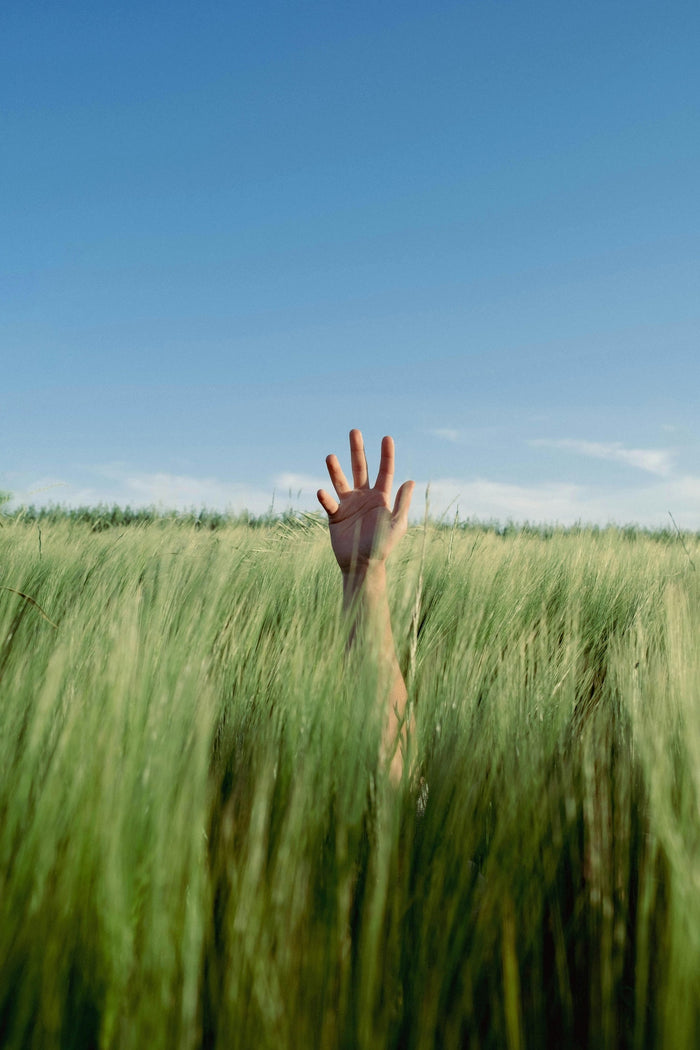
column 199, row 846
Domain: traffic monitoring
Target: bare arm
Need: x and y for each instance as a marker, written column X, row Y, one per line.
column 363, row 531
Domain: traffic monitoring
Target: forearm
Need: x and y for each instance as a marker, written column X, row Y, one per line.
column 365, row 600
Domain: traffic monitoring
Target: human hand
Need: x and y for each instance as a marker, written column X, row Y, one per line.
column 363, row 527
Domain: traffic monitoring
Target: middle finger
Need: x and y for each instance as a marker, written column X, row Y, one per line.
column 358, row 460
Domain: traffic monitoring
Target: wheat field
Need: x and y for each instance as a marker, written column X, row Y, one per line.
column 200, row 848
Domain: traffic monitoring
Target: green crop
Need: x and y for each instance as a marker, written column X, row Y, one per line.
column 200, row 848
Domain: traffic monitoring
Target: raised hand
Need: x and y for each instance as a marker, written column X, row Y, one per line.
column 363, row 527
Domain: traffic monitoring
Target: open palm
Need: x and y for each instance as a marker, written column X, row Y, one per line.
column 363, row 525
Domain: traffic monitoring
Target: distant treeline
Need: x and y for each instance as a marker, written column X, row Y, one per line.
column 102, row 517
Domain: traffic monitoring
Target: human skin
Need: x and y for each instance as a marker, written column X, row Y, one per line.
column 364, row 529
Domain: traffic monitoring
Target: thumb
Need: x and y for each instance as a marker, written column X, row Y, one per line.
column 402, row 503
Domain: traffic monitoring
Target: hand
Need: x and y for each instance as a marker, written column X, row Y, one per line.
column 363, row 527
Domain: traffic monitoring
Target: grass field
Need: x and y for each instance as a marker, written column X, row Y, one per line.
column 199, row 848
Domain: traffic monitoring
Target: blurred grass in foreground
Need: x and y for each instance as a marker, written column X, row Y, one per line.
column 199, row 849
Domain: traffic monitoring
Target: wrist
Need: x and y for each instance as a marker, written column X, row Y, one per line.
column 369, row 577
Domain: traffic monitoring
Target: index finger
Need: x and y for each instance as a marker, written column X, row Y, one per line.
column 340, row 482
column 385, row 477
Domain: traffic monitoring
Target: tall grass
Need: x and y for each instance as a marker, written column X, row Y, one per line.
column 200, row 848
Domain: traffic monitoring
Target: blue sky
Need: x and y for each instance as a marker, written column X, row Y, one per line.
column 231, row 232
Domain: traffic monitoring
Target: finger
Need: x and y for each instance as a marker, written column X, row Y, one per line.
column 385, row 476
column 327, row 502
column 402, row 503
column 340, row 482
column 359, row 460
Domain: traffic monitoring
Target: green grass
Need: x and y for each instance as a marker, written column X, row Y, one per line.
column 199, row 848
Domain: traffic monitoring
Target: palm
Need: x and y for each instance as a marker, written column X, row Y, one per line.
column 361, row 528
column 362, row 525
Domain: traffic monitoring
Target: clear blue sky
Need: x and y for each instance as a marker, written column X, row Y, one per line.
column 231, row 231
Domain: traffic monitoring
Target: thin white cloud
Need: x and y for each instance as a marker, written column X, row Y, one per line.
column 113, row 484
column 446, row 434
column 301, row 484
column 180, row 491
column 657, row 461
column 563, row 503
column 487, row 500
